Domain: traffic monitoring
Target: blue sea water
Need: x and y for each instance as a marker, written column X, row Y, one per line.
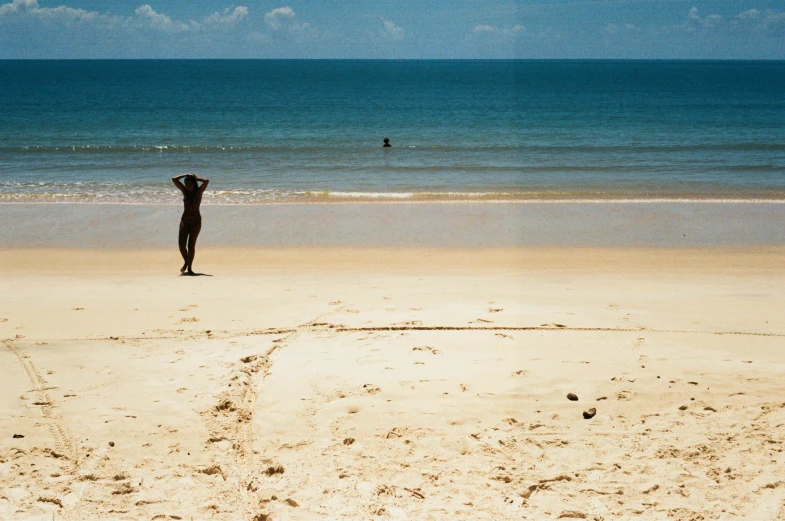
column 263, row 131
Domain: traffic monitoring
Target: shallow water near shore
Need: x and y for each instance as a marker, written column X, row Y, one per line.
column 311, row 131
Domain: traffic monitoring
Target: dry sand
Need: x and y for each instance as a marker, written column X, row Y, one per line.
column 392, row 384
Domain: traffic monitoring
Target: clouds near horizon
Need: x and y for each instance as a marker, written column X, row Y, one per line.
column 451, row 29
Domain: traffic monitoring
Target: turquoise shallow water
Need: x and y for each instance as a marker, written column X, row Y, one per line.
column 264, row 131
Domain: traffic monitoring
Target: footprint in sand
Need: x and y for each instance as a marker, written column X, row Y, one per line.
column 495, row 310
column 395, row 432
column 192, row 319
column 3, row 320
column 372, row 389
column 335, row 302
column 426, row 349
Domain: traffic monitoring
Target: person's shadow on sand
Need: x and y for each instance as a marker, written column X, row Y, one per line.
column 194, row 274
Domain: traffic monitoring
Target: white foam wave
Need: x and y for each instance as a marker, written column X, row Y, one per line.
column 104, row 192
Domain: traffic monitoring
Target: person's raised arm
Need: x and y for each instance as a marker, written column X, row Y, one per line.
column 205, row 182
column 178, row 183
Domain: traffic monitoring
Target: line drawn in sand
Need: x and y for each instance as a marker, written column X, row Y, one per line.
column 65, row 446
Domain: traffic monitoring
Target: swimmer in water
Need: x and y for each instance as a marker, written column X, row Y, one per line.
column 191, row 221
column 386, row 142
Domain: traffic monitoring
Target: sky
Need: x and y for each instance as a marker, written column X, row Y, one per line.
column 396, row 29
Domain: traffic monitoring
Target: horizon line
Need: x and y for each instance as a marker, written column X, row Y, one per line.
column 413, row 59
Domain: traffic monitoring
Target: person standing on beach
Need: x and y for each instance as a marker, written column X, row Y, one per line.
column 191, row 221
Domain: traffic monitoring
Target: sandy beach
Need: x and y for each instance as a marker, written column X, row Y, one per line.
column 409, row 383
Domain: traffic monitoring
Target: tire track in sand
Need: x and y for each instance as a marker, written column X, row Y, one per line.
column 230, row 423
column 65, row 446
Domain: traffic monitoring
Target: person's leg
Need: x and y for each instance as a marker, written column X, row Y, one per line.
column 182, row 240
column 194, row 234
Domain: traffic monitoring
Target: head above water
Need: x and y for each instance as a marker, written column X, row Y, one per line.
column 386, row 141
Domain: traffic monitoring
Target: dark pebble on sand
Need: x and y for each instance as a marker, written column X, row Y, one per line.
column 587, row 415
column 572, row 397
column 19, row 435
column 683, row 408
column 111, row 444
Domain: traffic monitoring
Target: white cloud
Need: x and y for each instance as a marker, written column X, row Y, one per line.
column 31, row 9
column 145, row 16
column 498, row 32
column 283, row 23
column 281, row 18
column 694, row 19
column 752, row 20
column 752, row 14
column 229, row 16
column 774, row 22
column 388, row 32
column 392, row 31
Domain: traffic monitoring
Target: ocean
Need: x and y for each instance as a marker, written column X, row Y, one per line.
column 311, row 131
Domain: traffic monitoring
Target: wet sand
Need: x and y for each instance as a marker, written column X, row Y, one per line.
column 419, row 383
column 401, row 225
